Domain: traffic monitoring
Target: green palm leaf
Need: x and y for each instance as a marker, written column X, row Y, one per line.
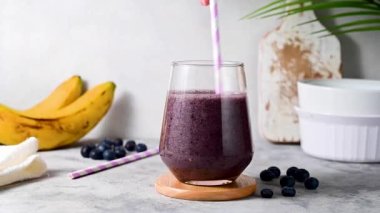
column 342, row 15
column 327, row 5
column 369, row 9
column 350, row 24
column 260, row 12
column 361, row 29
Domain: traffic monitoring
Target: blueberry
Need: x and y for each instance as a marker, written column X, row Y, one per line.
column 266, row 175
column 288, row 191
column 109, row 154
column 311, row 183
column 266, row 193
column 86, row 149
column 287, row 181
column 291, row 171
column 118, row 142
column 141, row 147
column 301, row 175
column 96, row 154
column 275, row 170
column 102, row 147
column 130, row 145
column 108, row 142
column 120, row 152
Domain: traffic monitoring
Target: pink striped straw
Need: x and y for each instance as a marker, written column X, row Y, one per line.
column 216, row 44
column 113, row 163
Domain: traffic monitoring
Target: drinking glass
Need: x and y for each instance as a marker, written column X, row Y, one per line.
column 206, row 137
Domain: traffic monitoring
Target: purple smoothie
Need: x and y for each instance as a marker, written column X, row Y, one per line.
column 206, row 136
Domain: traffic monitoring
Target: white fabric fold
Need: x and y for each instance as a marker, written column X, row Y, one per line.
column 20, row 162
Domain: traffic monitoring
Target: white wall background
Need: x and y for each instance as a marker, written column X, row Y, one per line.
column 131, row 42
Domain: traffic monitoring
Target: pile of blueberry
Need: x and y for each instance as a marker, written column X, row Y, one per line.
column 109, row 149
column 287, row 182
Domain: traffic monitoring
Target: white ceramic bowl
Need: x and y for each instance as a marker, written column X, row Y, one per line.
column 352, row 97
column 340, row 138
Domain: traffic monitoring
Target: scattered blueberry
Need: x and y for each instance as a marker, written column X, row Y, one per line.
column 288, row 191
column 301, row 175
column 275, row 170
column 266, row 175
column 120, row 152
column 119, row 142
column 109, row 154
column 141, row 147
column 287, row 181
column 96, row 154
column 266, row 193
column 110, row 149
column 130, row 146
column 311, row 183
column 86, row 149
column 291, row 171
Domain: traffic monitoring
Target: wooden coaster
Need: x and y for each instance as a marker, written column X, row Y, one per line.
column 168, row 185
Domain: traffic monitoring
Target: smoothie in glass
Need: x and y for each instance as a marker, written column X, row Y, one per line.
column 206, row 136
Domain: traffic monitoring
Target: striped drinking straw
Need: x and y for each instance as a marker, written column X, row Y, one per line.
column 113, row 163
column 216, row 44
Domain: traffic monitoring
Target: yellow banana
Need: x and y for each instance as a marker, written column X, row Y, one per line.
column 67, row 92
column 59, row 128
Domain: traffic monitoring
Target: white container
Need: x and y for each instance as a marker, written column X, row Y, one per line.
column 340, row 96
column 340, row 138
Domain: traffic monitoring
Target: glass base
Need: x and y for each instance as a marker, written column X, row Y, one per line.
column 209, row 182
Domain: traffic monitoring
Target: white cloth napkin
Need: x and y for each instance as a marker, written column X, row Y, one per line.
column 20, row 162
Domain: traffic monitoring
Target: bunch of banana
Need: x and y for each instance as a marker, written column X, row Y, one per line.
column 61, row 119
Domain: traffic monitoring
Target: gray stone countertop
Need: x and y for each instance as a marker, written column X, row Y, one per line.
column 344, row 187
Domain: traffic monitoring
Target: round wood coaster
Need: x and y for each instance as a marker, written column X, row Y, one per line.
column 168, row 185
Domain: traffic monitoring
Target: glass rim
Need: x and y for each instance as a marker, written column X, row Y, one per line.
column 207, row 63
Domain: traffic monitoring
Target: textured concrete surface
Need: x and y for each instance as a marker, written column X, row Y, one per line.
column 130, row 188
